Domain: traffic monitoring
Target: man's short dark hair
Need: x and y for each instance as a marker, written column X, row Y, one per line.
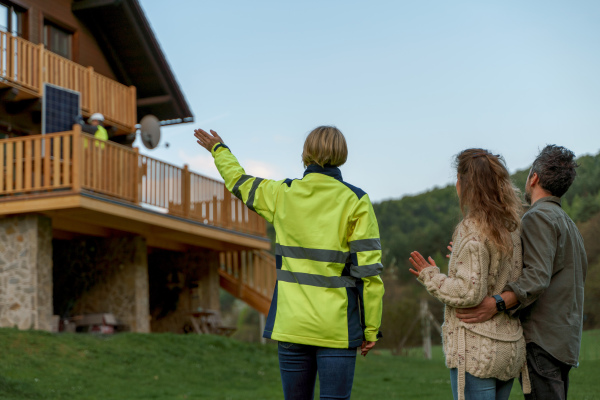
column 555, row 167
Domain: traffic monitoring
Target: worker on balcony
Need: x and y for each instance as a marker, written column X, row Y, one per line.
column 327, row 301
column 95, row 126
column 97, row 121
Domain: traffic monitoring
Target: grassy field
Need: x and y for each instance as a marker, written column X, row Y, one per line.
column 38, row 365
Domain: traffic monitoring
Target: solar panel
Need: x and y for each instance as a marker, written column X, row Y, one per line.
column 60, row 107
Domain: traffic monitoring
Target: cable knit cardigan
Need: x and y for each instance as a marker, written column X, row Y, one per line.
column 491, row 349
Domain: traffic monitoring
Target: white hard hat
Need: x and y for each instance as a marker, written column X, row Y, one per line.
column 96, row 117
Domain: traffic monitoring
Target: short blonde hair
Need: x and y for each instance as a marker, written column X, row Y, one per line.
column 325, row 145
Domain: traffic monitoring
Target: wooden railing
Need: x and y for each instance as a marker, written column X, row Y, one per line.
column 29, row 66
column 250, row 276
column 36, row 164
column 42, row 164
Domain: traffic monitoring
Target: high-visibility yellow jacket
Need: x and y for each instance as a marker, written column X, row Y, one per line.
column 101, row 134
column 328, row 254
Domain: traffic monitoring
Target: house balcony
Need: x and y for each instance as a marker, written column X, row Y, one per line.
column 89, row 187
column 88, row 184
column 25, row 67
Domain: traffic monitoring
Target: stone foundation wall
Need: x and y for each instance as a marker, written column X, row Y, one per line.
column 26, row 272
column 181, row 283
column 109, row 275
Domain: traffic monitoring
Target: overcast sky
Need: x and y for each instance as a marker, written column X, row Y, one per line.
column 409, row 83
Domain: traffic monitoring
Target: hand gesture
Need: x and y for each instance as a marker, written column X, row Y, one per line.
column 207, row 140
column 417, row 260
column 449, row 248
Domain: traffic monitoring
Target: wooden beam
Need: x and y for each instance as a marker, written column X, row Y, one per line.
column 174, row 224
column 98, row 217
column 8, row 93
column 162, row 243
column 250, row 296
column 18, row 107
column 91, row 4
column 79, row 227
column 148, row 101
column 63, row 235
column 41, row 204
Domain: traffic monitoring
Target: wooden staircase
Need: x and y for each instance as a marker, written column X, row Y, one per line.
column 250, row 276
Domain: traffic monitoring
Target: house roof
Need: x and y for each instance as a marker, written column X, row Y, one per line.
column 128, row 42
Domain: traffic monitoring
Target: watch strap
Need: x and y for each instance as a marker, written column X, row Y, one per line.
column 500, row 305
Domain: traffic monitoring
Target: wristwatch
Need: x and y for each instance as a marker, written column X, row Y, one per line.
column 500, row 305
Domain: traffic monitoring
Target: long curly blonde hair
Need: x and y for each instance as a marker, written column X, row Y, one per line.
column 488, row 196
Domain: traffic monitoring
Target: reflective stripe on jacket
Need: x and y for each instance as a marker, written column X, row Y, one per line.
column 328, row 254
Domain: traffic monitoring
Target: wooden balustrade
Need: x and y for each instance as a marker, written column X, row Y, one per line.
column 250, row 276
column 115, row 101
column 254, row 269
column 41, row 164
column 36, row 164
column 59, row 71
column 17, row 57
column 29, row 66
column 109, row 168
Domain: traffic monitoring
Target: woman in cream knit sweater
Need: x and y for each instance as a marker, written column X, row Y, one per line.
column 483, row 358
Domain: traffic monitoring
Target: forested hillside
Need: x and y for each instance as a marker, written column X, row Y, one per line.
column 425, row 222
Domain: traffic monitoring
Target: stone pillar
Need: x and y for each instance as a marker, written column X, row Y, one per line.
column 26, row 272
column 121, row 282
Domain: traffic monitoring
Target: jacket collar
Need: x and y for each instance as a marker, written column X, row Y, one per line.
column 328, row 170
column 551, row 199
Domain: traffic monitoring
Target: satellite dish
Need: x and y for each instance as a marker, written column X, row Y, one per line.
column 150, row 131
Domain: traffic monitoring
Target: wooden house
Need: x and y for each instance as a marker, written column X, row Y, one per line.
column 96, row 227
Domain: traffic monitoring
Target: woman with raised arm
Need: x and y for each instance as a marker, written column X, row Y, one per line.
column 485, row 255
column 328, row 296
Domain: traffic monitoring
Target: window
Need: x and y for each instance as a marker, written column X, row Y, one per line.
column 11, row 19
column 58, row 40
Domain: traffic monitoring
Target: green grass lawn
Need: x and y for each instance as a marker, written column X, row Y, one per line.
column 38, row 365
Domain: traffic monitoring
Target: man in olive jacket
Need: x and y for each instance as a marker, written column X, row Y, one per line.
column 548, row 297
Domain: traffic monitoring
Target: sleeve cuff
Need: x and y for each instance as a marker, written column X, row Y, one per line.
column 373, row 337
column 512, row 287
column 217, row 147
column 428, row 274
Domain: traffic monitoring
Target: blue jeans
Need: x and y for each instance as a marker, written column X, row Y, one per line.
column 299, row 364
column 481, row 388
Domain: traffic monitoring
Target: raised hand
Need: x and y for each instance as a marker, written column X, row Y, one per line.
column 419, row 262
column 207, row 140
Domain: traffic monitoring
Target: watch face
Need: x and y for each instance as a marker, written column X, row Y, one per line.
column 500, row 305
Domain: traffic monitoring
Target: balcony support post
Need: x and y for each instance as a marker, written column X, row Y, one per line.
column 132, row 115
column 136, row 175
column 185, row 190
column 92, row 92
column 77, row 165
column 226, row 208
column 242, row 273
column 42, row 66
column 10, row 54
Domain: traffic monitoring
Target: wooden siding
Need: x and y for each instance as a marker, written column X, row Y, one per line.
column 86, row 50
